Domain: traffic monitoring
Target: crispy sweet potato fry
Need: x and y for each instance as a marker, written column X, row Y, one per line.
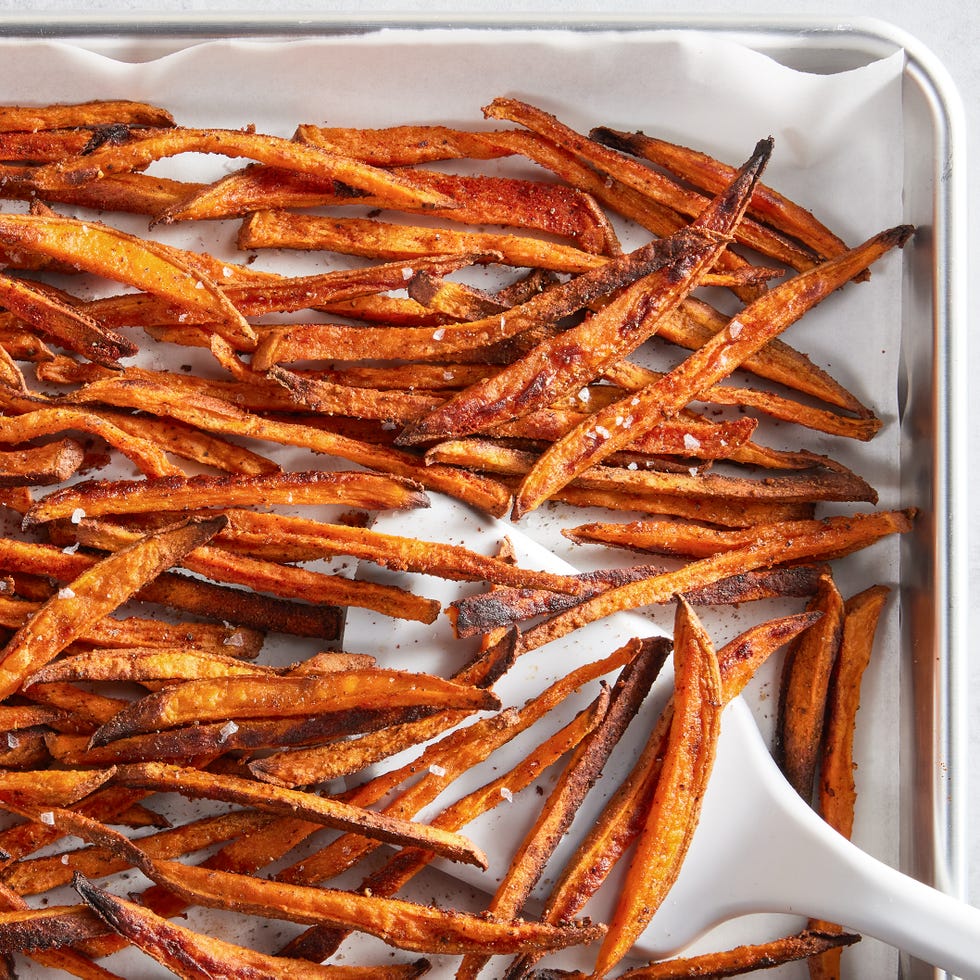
column 142, row 664
column 399, row 923
column 34, row 876
column 578, row 355
column 375, row 239
column 61, row 324
column 288, row 581
column 668, row 827
column 578, row 777
column 72, row 115
column 347, row 488
column 48, row 787
column 215, row 415
column 105, row 251
column 732, row 962
column 745, row 334
column 254, row 697
column 646, row 181
column 710, row 175
column 191, row 954
column 92, row 595
column 837, row 791
column 34, row 929
column 53, row 462
column 319, row 809
column 288, row 154
column 803, row 691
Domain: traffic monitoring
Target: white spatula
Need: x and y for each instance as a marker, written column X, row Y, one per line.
column 758, row 847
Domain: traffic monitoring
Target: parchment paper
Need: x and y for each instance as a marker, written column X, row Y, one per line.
column 836, row 138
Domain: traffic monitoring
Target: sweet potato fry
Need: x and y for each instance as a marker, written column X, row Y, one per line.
column 57, row 925
column 138, row 262
column 142, row 664
column 287, row 581
column 577, row 778
column 307, row 540
column 644, row 180
column 836, row 788
column 371, row 238
column 314, row 487
column 216, row 415
column 710, row 175
column 288, row 154
column 87, row 115
column 578, row 355
column 37, row 422
column 48, row 787
column 309, row 806
column 62, row 324
column 745, row 334
column 191, row 954
column 803, row 691
column 34, row 876
column 478, row 200
column 53, row 462
column 406, row 925
column 742, row 959
column 92, row 595
column 254, row 697
column 821, row 540
column 669, row 825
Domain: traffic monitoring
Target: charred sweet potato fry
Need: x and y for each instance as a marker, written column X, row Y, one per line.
column 189, row 953
column 745, row 334
column 743, row 959
column 675, row 807
column 88, row 115
column 53, row 462
column 288, row 154
column 309, row 806
column 230, row 697
column 803, row 691
column 347, row 488
column 710, row 175
column 578, row 355
column 92, row 595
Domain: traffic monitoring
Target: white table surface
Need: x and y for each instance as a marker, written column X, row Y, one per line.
column 949, row 28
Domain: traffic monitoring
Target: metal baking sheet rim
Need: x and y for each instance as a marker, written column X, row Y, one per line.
column 938, row 749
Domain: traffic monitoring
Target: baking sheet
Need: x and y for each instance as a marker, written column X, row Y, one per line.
column 836, row 137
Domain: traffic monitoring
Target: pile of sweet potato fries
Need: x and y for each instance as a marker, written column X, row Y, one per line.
column 135, row 610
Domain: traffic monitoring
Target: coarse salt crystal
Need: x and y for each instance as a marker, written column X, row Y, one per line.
column 584, row 395
column 734, row 329
column 235, row 640
column 407, row 273
column 64, row 858
column 437, row 770
column 691, row 442
column 12, row 740
column 70, row 549
column 602, row 431
column 439, row 334
column 506, row 794
column 77, row 514
column 632, row 466
column 47, row 817
column 199, row 284
column 225, row 271
column 227, row 729
column 66, row 593
column 4, row 585
column 693, row 471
